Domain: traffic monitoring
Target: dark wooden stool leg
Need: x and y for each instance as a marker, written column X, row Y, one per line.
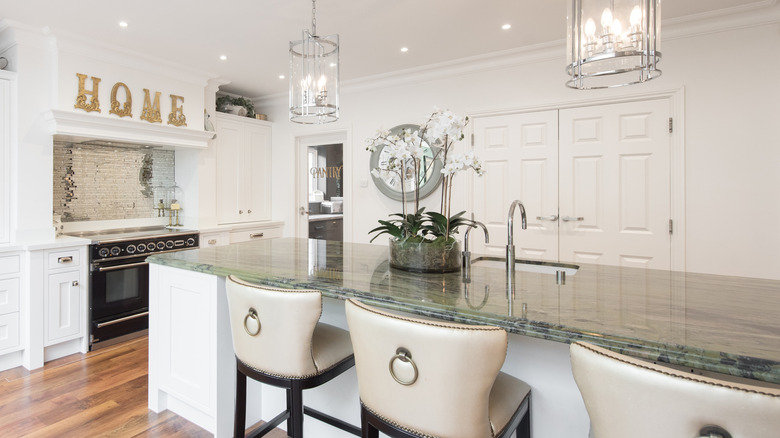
column 524, row 430
column 368, row 430
column 296, row 412
column 239, row 420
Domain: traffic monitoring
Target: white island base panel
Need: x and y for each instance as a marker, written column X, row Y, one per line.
column 192, row 366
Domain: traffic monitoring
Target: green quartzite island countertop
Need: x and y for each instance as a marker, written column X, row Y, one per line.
column 724, row 324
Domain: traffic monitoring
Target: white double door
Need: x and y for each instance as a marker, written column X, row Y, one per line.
column 595, row 183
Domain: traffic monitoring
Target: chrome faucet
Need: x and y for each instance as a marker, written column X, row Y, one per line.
column 466, row 261
column 510, row 244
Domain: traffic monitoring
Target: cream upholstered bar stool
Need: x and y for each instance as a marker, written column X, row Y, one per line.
column 628, row 397
column 421, row 378
column 278, row 340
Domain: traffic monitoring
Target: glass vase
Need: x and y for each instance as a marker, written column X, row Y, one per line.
column 426, row 257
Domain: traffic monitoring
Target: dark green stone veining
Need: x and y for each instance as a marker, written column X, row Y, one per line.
column 723, row 324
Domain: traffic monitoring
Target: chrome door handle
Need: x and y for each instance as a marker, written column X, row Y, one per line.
column 572, row 219
column 303, row 211
column 547, row 218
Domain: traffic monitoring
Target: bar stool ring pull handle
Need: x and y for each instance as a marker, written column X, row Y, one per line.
column 253, row 315
column 404, row 356
column 713, row 431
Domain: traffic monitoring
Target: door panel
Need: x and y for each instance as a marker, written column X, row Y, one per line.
column 520, row 152
column 614, row 184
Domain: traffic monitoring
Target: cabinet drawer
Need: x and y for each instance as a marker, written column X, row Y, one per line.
column 255, row 234
column 9, row 295
column 10, row 264
column 214, row 239
column 9, row 331
column 64, row 259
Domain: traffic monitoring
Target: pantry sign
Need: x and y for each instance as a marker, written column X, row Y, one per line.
column 88, row 100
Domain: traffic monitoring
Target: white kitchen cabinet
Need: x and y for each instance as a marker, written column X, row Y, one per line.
column 243, row 155
column 65, row 296
column 10, row 282
column 6, row 79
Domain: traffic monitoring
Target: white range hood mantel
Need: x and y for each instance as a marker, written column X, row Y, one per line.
column 77, row 127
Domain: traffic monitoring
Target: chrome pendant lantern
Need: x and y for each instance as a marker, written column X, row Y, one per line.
column 314, row 76
column 612, row 43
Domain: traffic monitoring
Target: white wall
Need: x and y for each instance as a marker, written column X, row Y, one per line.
column 731, row 109
column 47, row 67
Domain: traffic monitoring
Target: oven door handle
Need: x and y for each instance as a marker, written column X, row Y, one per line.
column 126, row 318
column 116, row 268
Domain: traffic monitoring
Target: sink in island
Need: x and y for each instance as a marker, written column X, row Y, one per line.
column 705, row 322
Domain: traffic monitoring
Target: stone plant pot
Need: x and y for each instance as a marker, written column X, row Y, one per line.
column 425, row 257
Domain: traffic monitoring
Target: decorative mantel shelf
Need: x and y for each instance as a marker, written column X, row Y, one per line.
column 73, row 126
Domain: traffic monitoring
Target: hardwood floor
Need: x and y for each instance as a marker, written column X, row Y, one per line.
column 100, row 394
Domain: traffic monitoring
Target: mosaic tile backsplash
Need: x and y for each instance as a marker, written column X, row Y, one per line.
column 102, row 182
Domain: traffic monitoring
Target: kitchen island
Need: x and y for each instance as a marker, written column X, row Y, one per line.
column 704, row 322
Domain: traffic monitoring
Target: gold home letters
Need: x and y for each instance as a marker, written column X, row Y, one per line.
column 151, row 110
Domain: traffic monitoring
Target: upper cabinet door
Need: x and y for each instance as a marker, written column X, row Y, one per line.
column 5, row 151
column 243, row 169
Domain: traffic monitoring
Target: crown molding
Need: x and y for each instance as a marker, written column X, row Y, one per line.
column 116, row 55
column 750, row 15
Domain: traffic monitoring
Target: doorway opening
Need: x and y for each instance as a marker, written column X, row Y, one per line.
column 325, row 182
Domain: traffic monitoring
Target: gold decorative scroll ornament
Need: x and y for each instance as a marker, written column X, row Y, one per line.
column 127, row 108
column 81, row 98
column 151, row 113
column 176, row 117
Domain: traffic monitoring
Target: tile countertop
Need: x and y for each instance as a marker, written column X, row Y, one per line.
column 723, row 324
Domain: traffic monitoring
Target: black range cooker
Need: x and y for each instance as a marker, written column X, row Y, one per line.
column 119, row 277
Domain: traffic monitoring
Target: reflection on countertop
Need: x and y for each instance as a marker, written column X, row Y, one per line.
column 717, row 323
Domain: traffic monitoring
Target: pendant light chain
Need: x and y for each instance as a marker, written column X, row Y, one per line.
column 314, row 17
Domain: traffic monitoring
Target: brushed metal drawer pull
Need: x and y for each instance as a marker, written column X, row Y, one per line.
column 255, row 235
column 572, row 219
column 66, row 259
column 212, row 241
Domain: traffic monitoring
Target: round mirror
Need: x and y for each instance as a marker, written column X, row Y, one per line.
column 389, row 183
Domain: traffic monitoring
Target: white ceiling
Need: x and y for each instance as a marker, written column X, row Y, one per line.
column 255, row 34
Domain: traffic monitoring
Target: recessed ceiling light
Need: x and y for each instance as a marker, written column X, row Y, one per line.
column 123, row 24
column 404, row 49
column 506, row 26
column 281, row 76
column 223, row 57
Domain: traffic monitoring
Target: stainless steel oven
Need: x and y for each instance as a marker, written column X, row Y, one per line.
column 119, row 277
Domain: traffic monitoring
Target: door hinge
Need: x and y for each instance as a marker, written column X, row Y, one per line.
column 671, row 226
column 671, row 125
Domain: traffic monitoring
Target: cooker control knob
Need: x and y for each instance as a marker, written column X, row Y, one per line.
column 130, row 249
column 191, row 241
column 140, row 247
column 115, row 251
column 150, row 246
column 103, row 252
column 169, row 244
column 160, row 245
